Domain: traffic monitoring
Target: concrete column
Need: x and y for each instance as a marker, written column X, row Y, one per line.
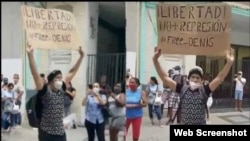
column 132, row 36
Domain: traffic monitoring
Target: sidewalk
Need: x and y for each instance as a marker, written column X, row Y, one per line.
column 148, row 132
column 155, row 133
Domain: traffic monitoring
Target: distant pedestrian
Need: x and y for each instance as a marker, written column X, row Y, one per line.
column 239, row 90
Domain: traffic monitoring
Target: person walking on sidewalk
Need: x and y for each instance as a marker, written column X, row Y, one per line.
column 153, row 91
column 239, row 90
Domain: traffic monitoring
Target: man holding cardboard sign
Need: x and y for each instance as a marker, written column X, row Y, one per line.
column 202, row 29
column 193, row 97
column 49, row 29
column 51, row 97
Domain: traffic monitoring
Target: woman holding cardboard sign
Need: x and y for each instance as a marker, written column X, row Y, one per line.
column 193, row 97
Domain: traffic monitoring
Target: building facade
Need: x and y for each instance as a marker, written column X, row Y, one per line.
column 87, row 16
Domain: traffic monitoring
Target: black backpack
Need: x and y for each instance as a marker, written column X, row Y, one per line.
column 34, row 108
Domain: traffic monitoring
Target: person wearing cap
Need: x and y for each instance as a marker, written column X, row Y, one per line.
column 239, row 89
column 5, row 84
column 42, row 75
column 192, row 112
column 51, row 126
column 19, row 90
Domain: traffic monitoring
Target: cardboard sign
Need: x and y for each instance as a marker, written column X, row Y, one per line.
column 202, row 29
column 50, row 28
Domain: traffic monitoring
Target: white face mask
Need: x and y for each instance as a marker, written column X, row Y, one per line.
column 194, row 85
column 58, row 84
column 96, row 90
column 176, row 72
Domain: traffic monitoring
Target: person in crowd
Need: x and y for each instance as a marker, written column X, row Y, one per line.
column 68, row 98
column 19, row 90
column 104, row 82
column 9, row 98
column 167, row 90
column 165, row 97
column 116, row 102
column 5, row 84
column 42, row 75
column 174, row 98
column 209, row 101
column 136, row 99
column 4, row 87
column 94, row 118
column 51, row 125
column 153, row 91
column 191, row 110
column 1, row 79
column 240, row 82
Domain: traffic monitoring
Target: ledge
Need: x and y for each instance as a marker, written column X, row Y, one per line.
column 235, row 10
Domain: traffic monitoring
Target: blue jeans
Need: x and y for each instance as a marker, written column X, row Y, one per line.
column 17, row 118
column 8, row 119
column 238, row 95
column 153, row 108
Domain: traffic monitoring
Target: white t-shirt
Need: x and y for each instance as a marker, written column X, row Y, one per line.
column 152, row 89
column 8, row 94
column 239, row 85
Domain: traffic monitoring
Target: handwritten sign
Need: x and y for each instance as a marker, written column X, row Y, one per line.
column 50, row 28
column 200, row 29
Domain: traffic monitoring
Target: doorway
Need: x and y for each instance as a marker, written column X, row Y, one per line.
column 111, row 48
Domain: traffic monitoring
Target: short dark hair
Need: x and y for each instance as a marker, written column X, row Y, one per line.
column 90, row 86
column 42, row 75
column 10, row 85
column 154, row 79
column 137, row 81
column 53, row 74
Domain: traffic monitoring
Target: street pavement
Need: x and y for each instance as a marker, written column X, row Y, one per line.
column 148, row 132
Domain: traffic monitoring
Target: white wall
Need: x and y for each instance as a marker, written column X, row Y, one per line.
column 132, row 36
column 92, row 11
column 11, row 30
column 240, row 38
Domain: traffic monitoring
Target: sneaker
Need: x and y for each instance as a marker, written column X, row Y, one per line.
column 74, row 126
column 6, row 130
column 152, row 123
column 18, row 126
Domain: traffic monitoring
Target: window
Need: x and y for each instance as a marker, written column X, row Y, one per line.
column 37, row 4
column 60, row 57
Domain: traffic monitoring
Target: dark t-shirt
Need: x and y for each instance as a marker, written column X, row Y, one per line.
column 52, row 113
column 71, row 90
column 193, row 108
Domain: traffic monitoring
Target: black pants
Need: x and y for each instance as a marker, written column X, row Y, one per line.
column 162, row 108
column 43, row 136
column 91, row 128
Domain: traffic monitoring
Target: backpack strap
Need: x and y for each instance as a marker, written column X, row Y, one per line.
column 156, row 89
column 204, row 99
column 184, row 90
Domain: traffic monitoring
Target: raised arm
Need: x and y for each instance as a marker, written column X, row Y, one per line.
column 162, row 74
column 75, row 68
column 36, row 76
column 224, row 72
